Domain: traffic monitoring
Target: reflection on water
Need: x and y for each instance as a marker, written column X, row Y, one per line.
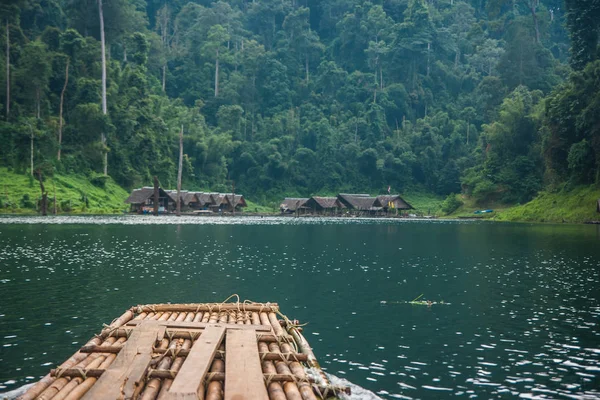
column 523, row 318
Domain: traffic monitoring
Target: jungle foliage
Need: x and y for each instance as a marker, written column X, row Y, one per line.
column 307, row 97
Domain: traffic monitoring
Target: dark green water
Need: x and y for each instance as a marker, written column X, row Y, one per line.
column 523, row 317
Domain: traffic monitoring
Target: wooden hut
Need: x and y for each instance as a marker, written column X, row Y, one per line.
column 191, row 201
column 235, row 202
column 173, row 195
column 217, row 201
column 324, row 205
column 226, row 202
column 293, row 205
column 359, row 203
column 392, row 203
column 204, row 200
column 142, row 200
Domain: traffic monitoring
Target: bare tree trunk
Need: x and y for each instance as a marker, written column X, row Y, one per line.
column 55, row 211
column 104, row 107
column 31, row 145
column 468, row 128
column 7, row 69
column 428, row 51
column 381, row 76
column 233, row 203
column 60, row 109
column 44, row 202
column 532, row 5
column 217, row 74
column 164, row 33
column 307, row 71
column 156, row 195
column 535, row 24
column 37, row 101
column 179, row 172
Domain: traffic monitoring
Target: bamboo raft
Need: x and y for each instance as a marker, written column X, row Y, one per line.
column 211, row 351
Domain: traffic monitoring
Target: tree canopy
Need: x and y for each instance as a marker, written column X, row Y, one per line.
column 308, row 97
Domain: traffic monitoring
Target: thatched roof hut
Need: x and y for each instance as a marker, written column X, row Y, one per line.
column 235, row 200
column 205, row 199
column 139, row 198
column 321, row 204
column 225, row 201
column 358, row 202
column 145, row 194
column 393, row 201
column 293, row 204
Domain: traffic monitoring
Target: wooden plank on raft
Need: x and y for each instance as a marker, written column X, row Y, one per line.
column 243, row 372
column 189, row 382
column 203, row 325
column 122, row 379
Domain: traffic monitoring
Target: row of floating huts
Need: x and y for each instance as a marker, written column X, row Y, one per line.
column 142, row 201
column 345, row 203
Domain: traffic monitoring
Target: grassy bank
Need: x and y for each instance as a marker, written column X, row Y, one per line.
column 468, row 208
column 74, row 194
column 575, row 206
column 423, row 202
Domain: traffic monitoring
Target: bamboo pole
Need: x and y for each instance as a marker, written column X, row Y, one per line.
column 76, row 358
column 88, row 362
column 172, row 373
column 290, row 388
column 275, row 389
column 77, row 391
column 64, row 390
column 165, row 316
column 195, row 307
column 305, row 348
column 205, row 317
column 175, row 366
column 153, row 385
column 297, row 369
column 274, row 355
column 223, row 317
column 214, row 389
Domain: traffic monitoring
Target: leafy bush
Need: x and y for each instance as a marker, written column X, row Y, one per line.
column 66, row 206
column 451, row 204
column 26, row 202
column 99, row 181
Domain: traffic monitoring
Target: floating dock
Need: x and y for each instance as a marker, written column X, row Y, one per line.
column 211, row 351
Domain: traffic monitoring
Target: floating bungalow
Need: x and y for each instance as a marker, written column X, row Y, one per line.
column 227, row 202
column 142, row 200
column 354, row 204
column 324, row 205
column 209, row 351
column 389, row 203
column 293, row 205
column 359, row 203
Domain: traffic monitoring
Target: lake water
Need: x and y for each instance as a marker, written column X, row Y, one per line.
column 523, row 314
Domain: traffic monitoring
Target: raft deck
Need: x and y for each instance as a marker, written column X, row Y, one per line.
column 211, row 351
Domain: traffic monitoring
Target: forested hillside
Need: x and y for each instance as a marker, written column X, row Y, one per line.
column 494, row 98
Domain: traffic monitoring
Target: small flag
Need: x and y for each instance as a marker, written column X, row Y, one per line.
column 389, row 188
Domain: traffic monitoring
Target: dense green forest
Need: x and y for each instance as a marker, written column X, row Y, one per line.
column 496, row 99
